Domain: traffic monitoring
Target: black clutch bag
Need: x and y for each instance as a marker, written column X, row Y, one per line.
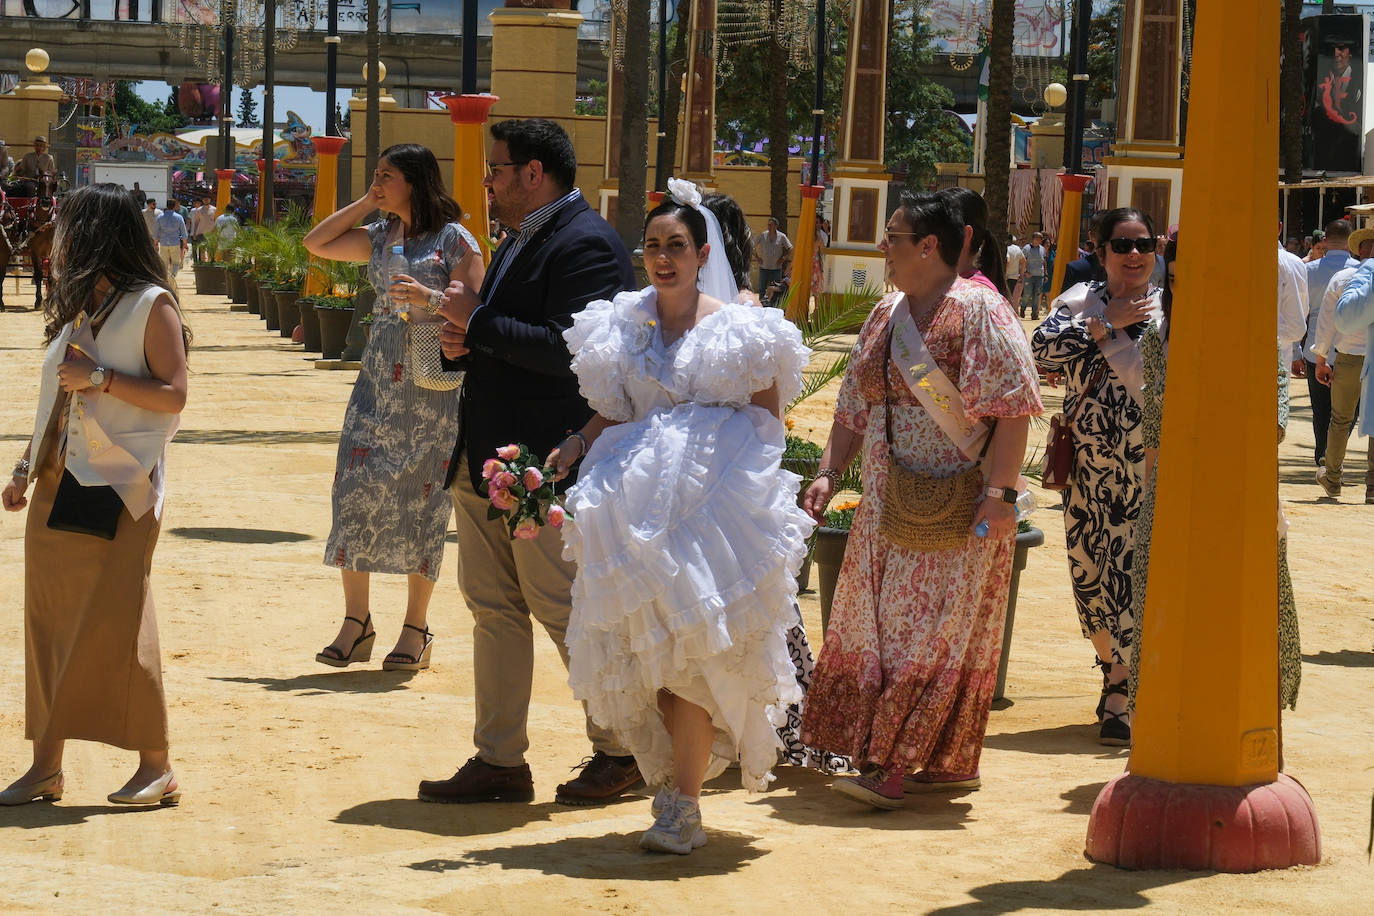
column 85, row 510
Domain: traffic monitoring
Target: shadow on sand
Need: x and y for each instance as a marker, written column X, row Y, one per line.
column 1093, row 888
column 811, row 802
column 615, row 856
column 313, row 685
column 241, row 535
column 1061, row 739
column 1346, row 658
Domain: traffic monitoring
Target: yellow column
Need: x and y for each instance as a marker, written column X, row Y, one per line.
column 224, row 188
column 804, row 252
column 1070, row 216
column 1204, row 791
column 327, row 151
column 262, row 170
column 469, row 114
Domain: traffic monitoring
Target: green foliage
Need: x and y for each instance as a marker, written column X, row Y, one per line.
column 142, row 117
column 594, row 104
column 836, row 314
column 797, row 447
column 742, row 98
column 248, row 110
column 842, row 518
column 1103, row 51
column 919, row 132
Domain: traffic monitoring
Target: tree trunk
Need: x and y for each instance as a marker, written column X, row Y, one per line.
column 374, row 108
column 672, row 102
column 1290, row 125
column 997, row 131
column 779, row 129
column 634, row 125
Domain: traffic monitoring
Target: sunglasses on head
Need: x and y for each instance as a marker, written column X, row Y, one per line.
column 1124, row 245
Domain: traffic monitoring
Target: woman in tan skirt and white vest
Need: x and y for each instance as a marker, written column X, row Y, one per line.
column 111, row 393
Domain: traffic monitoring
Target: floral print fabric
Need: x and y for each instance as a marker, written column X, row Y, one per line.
column 909, row 665
column 390, row 508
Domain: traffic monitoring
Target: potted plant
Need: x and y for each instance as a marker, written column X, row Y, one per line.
column 802, row 457
column 343, row 282
column 831, row 539
column 335, row 314
column 209, row 274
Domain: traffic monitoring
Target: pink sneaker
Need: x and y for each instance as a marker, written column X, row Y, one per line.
column 875, row 788
column 926, row 781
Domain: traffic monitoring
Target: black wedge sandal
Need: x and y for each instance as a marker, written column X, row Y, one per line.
column 360, row 651
column 403, row 661
column 1116, row 731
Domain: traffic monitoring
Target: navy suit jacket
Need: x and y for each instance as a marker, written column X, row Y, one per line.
column 1083, row 270
column 520, row 387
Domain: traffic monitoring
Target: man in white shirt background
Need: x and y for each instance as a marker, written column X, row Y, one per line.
column 1016, row 262
column 1339, row 366
column 202, row 224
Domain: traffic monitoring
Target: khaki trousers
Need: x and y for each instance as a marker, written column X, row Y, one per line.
column 1345, row 398
column 504, row 583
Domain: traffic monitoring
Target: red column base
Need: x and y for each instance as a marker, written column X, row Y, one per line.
column 1148, row 823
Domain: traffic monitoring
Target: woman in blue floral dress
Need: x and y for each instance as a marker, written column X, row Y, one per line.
column 390, row 508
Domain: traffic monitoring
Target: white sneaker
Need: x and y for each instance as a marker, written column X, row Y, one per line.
column 677, row 828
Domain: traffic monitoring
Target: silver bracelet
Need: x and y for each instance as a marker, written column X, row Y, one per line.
column 831, row 473
column 580, row 438
column 22, row 468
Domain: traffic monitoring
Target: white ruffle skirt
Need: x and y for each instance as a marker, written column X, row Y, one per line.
column 688, row 540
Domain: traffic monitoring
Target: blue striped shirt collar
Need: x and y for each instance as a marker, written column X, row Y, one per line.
column 535, row 220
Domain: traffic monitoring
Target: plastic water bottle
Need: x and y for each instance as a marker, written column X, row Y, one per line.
column 1025, row 505
column 397, row 264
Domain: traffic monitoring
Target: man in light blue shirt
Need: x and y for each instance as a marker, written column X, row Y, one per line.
column 172, row 237
column 1319, row 274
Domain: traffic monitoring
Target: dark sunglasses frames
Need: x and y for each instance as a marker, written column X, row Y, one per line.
column 1144, row 245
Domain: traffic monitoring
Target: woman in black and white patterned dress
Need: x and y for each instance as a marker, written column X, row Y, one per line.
column 390, row 508
column 1092, row 335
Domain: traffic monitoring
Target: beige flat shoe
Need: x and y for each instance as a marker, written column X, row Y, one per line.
column 155, row 793
column 48, row 789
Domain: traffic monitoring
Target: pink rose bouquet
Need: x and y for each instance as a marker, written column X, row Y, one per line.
column 521, row 491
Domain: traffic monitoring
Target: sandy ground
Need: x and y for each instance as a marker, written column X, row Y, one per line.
column 300, row 780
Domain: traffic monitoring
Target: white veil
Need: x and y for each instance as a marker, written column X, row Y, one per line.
column 716, row 278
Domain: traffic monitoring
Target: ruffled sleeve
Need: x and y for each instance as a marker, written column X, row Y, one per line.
column 738, row 351
column 376, row 232
column 596, row 341
column 997, row 375
column 454, row 244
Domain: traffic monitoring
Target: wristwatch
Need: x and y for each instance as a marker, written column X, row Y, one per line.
column 1005, row 494
column 97, row 377
column 436, row 299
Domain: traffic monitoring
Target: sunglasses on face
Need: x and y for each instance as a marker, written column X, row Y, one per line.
column 1144, row 245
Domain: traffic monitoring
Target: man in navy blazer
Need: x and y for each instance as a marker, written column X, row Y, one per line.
column 520, row 388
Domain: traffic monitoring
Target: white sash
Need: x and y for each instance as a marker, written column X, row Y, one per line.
column 929, row 384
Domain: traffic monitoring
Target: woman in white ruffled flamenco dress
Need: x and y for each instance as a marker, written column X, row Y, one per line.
column 685, row 530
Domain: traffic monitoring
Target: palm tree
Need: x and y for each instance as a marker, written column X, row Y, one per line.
column 374, row 108
column 1290, row 90
column 997, row 165
column 634, row 123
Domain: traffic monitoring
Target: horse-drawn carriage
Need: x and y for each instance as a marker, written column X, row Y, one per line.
column 28, row 210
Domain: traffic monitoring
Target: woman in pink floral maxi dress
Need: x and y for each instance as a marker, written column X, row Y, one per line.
column 905, row 679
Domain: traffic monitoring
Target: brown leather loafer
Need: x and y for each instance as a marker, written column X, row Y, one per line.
column 602, row 779
column 479, row 781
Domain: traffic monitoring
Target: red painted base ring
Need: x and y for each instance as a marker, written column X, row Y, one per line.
column 1148, row 823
